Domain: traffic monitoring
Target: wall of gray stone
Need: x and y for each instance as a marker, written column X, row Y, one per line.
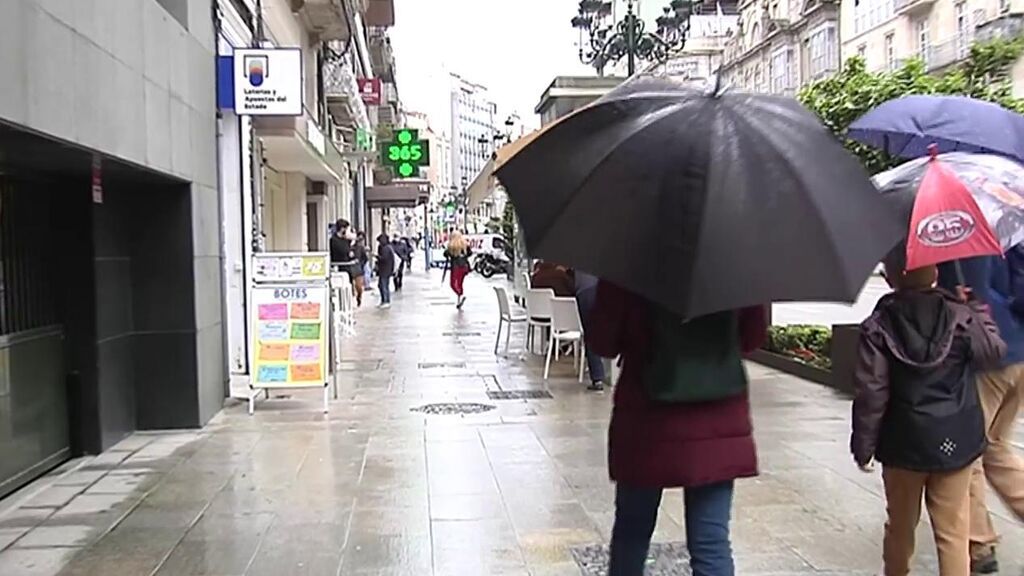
column 126, row 78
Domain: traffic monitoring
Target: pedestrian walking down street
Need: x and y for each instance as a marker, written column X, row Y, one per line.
column 917, row 410
column 586, row 296
column 999, row 283
column 457, row 253
column 342, row 254
column 385, row 269
column 358, row 269
column 700, row 446
column 401, row 256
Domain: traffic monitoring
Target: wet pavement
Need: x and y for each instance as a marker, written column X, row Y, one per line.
column 383, row 486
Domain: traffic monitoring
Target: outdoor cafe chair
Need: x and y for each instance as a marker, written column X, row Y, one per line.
column 506, row 317
column 538, row 312
column 566, row 326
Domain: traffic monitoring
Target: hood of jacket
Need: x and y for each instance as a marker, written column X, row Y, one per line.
column 918, row 326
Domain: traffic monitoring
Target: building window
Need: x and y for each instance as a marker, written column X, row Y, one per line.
column 963, row 31
column 924, row 40
column 824, row 50
column 890, row 51
column 782, row 71
column 862, row 51
column 868, row 14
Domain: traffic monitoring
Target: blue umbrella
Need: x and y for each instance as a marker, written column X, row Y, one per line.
column 907, row 126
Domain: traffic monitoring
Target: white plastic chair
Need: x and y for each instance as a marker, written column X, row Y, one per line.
column 538, row 312
column 506, row 316
column 566, row 326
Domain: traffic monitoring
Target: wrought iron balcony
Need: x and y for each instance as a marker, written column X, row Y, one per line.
column 342, row 91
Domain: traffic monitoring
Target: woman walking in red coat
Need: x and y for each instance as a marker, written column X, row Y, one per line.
column 700, row 447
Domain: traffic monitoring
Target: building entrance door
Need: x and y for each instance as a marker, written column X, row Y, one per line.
column 34, row 425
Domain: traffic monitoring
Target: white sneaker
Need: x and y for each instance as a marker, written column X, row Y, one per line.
column 385, row 306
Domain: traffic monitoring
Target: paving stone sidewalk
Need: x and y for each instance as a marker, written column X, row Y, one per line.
column 378, row 488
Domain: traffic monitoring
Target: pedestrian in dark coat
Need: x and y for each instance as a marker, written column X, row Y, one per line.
column 917, row 411
column 699, row 447
column 400, row 262
column 385, row 269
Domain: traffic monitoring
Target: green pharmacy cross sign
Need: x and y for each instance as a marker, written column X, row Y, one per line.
column 406, row 154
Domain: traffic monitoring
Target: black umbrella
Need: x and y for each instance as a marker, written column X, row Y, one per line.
column 701, row 201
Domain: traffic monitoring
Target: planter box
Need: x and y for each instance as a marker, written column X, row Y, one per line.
column 791, row 366
column 845, row 338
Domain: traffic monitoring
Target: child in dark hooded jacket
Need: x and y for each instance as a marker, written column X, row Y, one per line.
column 917, row 410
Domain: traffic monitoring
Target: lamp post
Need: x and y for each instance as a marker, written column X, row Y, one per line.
column 628, row 38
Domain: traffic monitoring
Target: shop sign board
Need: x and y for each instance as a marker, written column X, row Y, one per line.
column 290, row 266
column 289, row 333
column 370, row 91
column 268, row 82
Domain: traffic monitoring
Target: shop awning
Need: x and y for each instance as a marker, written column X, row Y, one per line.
column 401, row 194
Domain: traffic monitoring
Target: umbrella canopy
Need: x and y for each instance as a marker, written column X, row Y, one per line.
column 907, row 126
column 957, row 205
column 701, row 202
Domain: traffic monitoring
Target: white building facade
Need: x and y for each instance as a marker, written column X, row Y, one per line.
column 886, row 33
column 780, row 45
column 473, row 128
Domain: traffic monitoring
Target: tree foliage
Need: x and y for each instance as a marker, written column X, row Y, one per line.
column 846, row 96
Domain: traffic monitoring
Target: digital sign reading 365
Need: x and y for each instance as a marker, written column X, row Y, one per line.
column 406, row 153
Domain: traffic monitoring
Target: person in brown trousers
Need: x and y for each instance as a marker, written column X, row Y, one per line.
column 999, row 283
column 917, row 411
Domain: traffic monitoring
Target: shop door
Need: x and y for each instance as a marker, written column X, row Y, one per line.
column 34, row 430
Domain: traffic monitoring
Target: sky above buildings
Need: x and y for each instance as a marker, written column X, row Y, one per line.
column 514, row 47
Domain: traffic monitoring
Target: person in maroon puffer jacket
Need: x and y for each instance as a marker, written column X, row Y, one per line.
column 701, row 447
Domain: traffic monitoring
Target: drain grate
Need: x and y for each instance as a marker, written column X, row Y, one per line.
column 430, row 365
column 461, row 334
column 453, row 408
column 519, row 395
column 670, row 559
column 359, row 365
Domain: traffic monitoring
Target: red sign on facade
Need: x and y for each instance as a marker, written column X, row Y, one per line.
column 369, row 90
column 97, row 179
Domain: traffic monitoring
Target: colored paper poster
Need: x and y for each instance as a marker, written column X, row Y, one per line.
column 314, row 266
column 305, row 373
column 274, row 352
column 305, row 353
column 306, row 311
column 272, row 373
column 273, row 311
column 273, row 330
column 305, row 331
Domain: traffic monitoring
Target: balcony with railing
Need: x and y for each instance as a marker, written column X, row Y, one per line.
column 913, row 6
column 940, row 56
column 325, row 18
column 342, row 91
column 382, row 56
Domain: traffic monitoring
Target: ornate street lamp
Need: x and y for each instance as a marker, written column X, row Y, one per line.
column 609, row 43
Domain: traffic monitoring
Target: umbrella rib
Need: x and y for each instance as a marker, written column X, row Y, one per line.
column 667, row 111
column 766, row 146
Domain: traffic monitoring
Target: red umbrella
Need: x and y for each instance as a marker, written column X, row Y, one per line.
column 946, row 223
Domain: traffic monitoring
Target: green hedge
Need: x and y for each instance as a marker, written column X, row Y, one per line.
column 809, row 344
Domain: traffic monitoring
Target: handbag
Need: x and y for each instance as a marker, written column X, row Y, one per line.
column 697, row 360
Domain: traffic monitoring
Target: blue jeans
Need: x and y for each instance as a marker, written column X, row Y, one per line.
column 707, row 511
column 585, row 300
column 384, row 285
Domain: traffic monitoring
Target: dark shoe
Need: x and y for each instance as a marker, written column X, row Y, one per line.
column 596, row 386
column 986, row 563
